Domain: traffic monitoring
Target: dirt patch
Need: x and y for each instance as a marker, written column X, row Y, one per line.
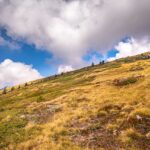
column 136, row 68
column 104, row 130
column 43, row 113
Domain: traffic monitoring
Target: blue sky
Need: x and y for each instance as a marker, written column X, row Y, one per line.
column 26, row 53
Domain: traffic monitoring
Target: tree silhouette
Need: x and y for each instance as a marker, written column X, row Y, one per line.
column 92, row 64
column 4, row 91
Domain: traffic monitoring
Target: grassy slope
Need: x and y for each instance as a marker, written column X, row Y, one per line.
column 101, row 107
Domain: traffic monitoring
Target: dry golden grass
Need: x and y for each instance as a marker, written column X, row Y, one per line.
column 81, row 110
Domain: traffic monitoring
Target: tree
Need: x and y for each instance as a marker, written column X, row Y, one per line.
column 4, row 91
column 92, row 64
column 12, row 88
column 101, row 62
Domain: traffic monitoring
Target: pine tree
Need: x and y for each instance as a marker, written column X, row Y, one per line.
column 92, row 64
column 4, row 91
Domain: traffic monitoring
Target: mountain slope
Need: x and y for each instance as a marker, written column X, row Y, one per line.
column 105, row 107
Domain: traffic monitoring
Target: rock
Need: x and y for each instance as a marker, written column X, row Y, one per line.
column 148, row 135
column 138, row 117
column 115, row 132
column 22, row 116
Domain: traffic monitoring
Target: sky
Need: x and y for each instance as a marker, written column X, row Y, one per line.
column 39, row 38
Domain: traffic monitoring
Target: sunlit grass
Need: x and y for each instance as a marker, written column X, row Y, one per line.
column 51, row 113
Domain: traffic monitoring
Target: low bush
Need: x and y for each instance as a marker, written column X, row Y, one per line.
column 125, row 81
column 40, row 99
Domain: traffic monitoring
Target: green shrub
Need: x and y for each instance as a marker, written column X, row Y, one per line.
column 12, row 89
column 125, row 81
column 40, row 99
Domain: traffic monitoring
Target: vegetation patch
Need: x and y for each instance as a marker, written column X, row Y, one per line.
column 40, row 99
column 126, row 81
column 12, row 131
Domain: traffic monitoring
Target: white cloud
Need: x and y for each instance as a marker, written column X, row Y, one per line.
column 132, row 47
column 12, row 73
column 10, row 45
column 63, row 68
column 70, row 28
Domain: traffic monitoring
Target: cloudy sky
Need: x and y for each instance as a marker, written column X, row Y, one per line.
column 39, row 38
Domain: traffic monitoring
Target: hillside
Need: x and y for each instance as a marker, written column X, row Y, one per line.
column 104, row 107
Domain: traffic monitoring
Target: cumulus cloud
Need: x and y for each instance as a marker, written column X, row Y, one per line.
column 131, row 47
column 71, row 28
column 63, row 68
column 12, row 73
